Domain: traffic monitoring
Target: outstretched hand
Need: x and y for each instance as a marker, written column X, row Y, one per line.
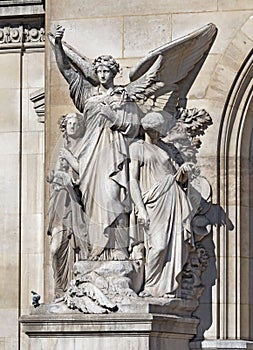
column 59, row 31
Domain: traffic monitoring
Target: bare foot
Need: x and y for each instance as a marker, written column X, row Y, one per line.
column 145, row 294
column 138, row 252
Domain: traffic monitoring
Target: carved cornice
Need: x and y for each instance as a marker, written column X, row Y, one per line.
column 22, row 22
column 21, row 34
column 20, row 2
column 38, row 98
column 19, row 8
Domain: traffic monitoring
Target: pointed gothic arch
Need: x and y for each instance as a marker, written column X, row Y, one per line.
column 234, row 194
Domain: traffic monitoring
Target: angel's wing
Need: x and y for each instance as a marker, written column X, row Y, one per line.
column 147, row 84
column 84, row 80
column 180, row 63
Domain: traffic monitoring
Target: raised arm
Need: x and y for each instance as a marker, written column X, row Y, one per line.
column 62, row 60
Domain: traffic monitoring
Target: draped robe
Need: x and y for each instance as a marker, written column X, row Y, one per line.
column 103, row 171
column 167, row 237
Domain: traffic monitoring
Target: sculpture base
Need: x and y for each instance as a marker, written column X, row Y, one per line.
column 144, row 331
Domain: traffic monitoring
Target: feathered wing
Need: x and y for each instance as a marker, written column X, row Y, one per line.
column 179, row 63
column 84, row 81
column 147, row 84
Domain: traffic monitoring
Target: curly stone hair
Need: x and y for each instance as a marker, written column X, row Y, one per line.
column 64, row 119
column 153, row 121
column 62, row 122
column 108, row 61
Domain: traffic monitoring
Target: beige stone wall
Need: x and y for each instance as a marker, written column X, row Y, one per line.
column 33, row 178
column 22, row 170
column 22, row 174
column 9, row 232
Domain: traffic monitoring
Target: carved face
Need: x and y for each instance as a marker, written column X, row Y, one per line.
column 105, row 75
column 73, row 127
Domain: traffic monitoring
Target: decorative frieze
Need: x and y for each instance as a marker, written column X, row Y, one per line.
column 34, row 35
column 19, row 34
column 21, row 2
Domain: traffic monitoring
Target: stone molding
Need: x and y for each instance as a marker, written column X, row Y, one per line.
column 229, row 344
column 19, row 8
column 39, row 325
column 21, row 34
column 20, row 2
column 38, row 99
column 141, row 331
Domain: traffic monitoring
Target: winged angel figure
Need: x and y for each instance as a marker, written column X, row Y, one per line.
column 115, row 123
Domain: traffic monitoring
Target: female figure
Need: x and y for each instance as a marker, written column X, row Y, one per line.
column 111, row 121
column 66, row 224
column 162, row 208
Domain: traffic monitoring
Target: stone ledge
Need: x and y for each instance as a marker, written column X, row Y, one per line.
column 15, row 8
column 131, row 331
column 66, row 324
column 20, row 2
column 221, row 345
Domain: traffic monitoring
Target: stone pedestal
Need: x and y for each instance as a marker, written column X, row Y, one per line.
column 147, row 331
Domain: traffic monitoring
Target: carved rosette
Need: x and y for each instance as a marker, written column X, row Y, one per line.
column 11, row 35
column 35, row 35
column 19, row 34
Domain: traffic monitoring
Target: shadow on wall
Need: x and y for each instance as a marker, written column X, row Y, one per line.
column 217, row 217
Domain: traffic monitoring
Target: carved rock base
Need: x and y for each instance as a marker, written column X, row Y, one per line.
column 144, row 331
column 101, row 287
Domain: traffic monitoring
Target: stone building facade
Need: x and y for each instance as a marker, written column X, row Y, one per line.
column 22, row 156
column 126, row 30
